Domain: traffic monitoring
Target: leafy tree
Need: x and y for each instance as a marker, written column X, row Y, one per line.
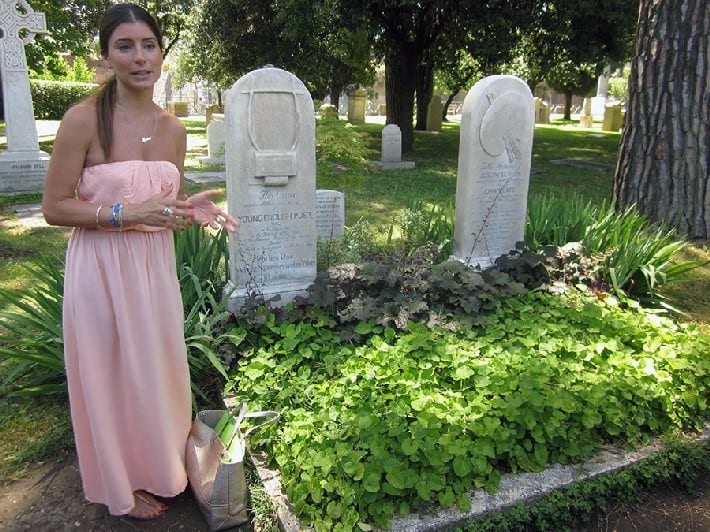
column 416, row 38
column 70, row 27
column 569, row 79
column 338, row 47
column 324, row 45
column 663, row 163
column 573, row 40
column 461, row 73
column 172, row 17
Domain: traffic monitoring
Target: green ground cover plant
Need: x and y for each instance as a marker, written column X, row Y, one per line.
column 385, row 420
column 383, row 211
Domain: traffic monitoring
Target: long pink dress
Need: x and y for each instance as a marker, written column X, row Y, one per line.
column 125, row 354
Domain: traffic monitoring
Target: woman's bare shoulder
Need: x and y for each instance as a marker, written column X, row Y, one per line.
column 81, row 115
column 173, row 123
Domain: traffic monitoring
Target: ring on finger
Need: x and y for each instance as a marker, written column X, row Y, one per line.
column 167, row 211
column 219, row 219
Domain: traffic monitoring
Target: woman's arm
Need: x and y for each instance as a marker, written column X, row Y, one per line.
column 71, row 145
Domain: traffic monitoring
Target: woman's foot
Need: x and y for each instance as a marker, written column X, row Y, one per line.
column 147, row 506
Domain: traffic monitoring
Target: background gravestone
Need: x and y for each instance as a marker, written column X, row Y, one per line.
column 216, row 131
column 497, row 126
column 612, row 120
column 586, row 120
column 271, row 174
column 23, row 166
column 330, row 214
column 434, row 115
column 357, row 103
column 391, row 158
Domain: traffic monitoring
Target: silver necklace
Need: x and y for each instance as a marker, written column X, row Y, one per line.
column 135, row 129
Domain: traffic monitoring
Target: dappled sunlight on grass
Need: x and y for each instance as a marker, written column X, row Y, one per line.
column 693, row 294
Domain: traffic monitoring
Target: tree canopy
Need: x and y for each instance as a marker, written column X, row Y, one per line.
column 324, row 45
column 70, row 27
column 573, row 40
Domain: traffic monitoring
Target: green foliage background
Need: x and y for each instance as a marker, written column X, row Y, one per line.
column 51, row 99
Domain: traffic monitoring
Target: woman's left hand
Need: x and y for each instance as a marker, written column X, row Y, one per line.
column 208, row 214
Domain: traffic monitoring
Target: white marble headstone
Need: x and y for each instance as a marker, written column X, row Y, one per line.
column 330, row 214
column 216, row 131
column 497, row 126
column 271, row 175
column 391, row 158
column 391, row 143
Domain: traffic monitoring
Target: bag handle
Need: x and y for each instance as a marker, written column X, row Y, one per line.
column 243, row 414
column 273, row 418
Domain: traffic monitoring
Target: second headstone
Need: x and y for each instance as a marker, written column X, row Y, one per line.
column 497, row 126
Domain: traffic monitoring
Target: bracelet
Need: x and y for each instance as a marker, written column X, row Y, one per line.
column 98, row 211
column 117, row 215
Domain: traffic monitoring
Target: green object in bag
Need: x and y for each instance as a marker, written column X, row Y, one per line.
column 222, row 422
column 228, row 432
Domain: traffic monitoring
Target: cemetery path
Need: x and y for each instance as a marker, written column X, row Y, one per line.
column 50, row 499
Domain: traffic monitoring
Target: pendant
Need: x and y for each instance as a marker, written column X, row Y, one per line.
column 145, row 139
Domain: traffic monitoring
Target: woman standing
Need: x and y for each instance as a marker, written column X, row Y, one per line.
column 116, row 176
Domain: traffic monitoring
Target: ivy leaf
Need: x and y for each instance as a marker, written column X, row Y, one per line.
column 396, row 478
column 541, row 454
column 462, row 466
column 371, row 482
column 354, row 469
column 334, row 510
column 409, row 446
column 463, row 372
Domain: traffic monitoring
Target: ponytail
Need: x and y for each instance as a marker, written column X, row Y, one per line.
column 105, row 104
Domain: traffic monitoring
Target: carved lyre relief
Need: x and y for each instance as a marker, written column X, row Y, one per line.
column 273, row 122
column 500, row 125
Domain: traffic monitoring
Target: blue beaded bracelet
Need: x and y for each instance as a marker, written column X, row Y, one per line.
column 116, row 215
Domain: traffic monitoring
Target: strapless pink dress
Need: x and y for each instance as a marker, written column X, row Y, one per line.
column 125, row 354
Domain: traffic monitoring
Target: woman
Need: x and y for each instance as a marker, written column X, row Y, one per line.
column 116, row 176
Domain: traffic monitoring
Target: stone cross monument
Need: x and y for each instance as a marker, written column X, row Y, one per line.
column 23, row 166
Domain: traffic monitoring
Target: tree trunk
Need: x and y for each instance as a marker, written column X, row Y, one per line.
column 400, row 83
column 425, row 90
column 335, row 95
column 664, row 156
column 450, row 99
column 568, row 106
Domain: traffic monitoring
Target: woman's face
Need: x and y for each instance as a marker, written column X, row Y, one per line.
column 135, row 56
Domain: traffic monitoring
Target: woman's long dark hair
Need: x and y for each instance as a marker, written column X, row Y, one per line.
column 106, row 96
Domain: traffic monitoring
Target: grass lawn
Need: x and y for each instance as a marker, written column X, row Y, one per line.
column 370, row 194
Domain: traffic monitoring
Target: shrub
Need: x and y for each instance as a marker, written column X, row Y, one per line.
column 31, row 333
column 391, row 418
column 424, row 224
column 638, row 255
column 555, row 221
column 634, row 258
column 51, row 99
column 202, row 263
column 361, row 240
column 338, row 142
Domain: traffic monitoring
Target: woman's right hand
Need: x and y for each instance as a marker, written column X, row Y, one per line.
column 160, row 210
